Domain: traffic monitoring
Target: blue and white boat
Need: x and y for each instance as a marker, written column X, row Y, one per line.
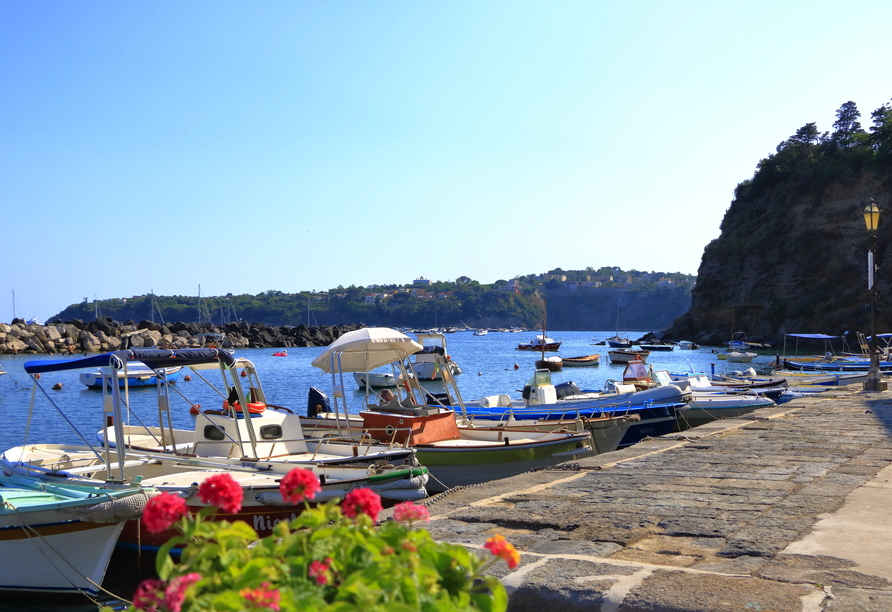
column 658, row 410
column 136, row 373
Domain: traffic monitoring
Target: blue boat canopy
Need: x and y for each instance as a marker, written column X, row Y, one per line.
column 153, row 358
column 815, row 336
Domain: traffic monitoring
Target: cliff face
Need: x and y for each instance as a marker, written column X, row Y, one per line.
column 793, row 260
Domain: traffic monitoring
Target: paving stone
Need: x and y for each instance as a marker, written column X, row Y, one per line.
column 669, row 591
column 855, row 600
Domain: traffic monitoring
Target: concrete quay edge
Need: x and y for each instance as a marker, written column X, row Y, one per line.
column 786, row 509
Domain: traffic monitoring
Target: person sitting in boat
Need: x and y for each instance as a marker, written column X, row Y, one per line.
column 387, row 398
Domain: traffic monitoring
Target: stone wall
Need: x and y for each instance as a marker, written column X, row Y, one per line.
column 104, row 335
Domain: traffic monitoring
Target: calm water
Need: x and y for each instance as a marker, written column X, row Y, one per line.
column 487, row 363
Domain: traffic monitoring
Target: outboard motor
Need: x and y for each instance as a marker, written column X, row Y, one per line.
column 317, row 401
column 438, row 399
column 565, row 389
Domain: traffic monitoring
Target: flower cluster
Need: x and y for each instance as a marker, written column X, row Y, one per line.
column 222, row 491
column 298, row 485
column 504, row 550
column 331, row 556
column 408, row 512
column 320, row 571
column 162, row 511
column 154, row 595
column 262, row 597
column 362, row 501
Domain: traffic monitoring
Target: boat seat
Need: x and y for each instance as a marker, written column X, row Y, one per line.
column 398, row 409
column 625, row 388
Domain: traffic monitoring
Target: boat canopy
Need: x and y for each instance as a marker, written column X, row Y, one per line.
column 814, row 336
column 153, row 358
column 365, row 349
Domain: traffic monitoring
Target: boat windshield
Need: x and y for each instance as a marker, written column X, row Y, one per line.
column 541, row 378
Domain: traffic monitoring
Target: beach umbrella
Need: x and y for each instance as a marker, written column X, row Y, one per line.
column 365, row 349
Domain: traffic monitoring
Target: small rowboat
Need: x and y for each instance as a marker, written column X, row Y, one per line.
column 282, row 353
column 553, row 364
column 582, row 361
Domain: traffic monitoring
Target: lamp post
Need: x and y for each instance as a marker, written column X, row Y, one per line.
column 872, row 221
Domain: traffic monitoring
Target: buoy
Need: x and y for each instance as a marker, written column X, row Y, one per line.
column 244, row 372
column 479, row 373
column 37, row 376
column 187, row 378
column 516, row 367
column 57, row 386
column 195, row 409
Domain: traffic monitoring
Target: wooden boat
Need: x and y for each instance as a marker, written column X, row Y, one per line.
column 134, row 374
column 59, row 538
column 582, row 361
column 455, row 454
column 627, row 355
column 553, row 363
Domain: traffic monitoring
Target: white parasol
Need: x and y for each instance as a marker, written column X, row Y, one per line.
column 365, row 349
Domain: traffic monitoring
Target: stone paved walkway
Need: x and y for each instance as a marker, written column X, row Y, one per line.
column 727, row 516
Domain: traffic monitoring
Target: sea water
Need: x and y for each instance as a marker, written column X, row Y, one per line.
column 490, row 365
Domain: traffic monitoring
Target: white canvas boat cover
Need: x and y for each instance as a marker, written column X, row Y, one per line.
column 365, row 349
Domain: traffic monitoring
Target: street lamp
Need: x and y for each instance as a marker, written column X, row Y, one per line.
column 872, row 221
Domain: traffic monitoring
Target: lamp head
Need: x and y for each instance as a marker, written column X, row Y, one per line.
column 871, row 216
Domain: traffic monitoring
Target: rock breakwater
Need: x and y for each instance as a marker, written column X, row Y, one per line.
column 105, row 335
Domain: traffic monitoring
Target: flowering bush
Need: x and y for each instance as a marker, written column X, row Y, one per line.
column 330, row 558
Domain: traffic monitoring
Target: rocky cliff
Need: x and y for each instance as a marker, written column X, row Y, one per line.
column 792, row 258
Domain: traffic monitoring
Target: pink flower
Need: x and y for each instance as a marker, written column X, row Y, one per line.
column 175, row 593
column 407, row 512
column 319, row 571
column 262, row 597
column 148, row 595
column 162, row 511
column 299, row 484
column 362, row 501
column 222, row 491
column 503, row 549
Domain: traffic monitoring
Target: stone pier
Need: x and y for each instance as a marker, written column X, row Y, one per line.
column 787, row 509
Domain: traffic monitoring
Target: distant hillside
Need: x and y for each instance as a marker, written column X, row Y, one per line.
column 792, row 254
column 632, row 300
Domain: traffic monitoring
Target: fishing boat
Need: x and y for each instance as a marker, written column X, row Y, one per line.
column 654, row 412
column 740, row 356
column 425, row 365
column 134, row 374
column 623, row 356
column 687, row 345
column 657, row 347
column 455, row 454
column 59, row 538
column 582, row 361
column 481, row 332
column 540, row 343
column 553, row 363
column 255, row 448
column 375, row 380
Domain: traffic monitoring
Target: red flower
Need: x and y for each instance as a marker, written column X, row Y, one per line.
column 222, row 491
column 318, row 571
column 503, row 549
column 299, row 484
column 162, row 511
column 362, row 501
column 175, row 593
column 407, row 512
column 262, row 597
column 148, row 595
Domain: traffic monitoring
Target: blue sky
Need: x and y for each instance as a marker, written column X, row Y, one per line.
column 304, row 145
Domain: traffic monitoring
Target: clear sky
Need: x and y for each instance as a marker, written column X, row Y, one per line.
column 292, row 145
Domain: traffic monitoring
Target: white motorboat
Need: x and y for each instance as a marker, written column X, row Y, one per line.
column 59, row 538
